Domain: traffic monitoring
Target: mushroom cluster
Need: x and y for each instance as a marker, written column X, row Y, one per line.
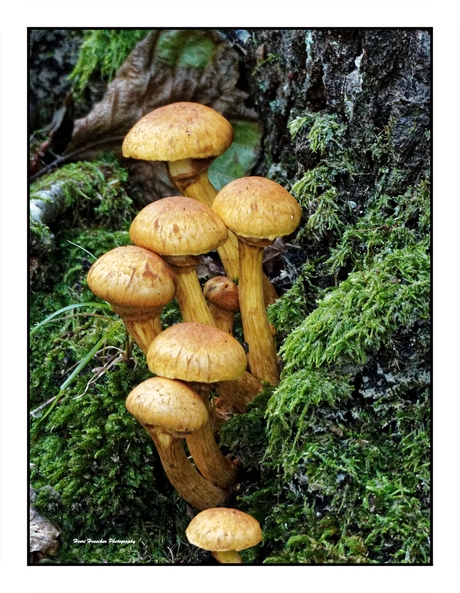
column 201, row 373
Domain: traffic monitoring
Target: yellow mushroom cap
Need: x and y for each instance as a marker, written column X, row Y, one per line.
column 178, row 131
column 257, row 207
column 178, row 226
column 132, row 276
column 196, row 352
column 169, row 404
column 223, row 529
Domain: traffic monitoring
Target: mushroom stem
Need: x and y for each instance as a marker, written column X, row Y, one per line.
column 141, row 328
column 190, row 176
column 209, row 459
column 262, row 356
column 238, row 393
column 189, row 295
column 230, row 557
column 188, row 483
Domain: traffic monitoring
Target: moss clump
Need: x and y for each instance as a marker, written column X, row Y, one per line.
column 288, row 312
column 103, row 52
column 86, row 190
column 84, row 203
column 356, row 319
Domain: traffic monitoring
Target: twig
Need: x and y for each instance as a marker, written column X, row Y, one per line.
column 33, row 413
column 66, row 157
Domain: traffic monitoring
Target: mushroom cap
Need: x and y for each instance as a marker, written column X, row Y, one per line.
column 169, row 404
column 223, row 529
column 196, row 352
column 132, row 276
column 178, row 226
column 257, row 207
column 222, row 292
column 178, row 131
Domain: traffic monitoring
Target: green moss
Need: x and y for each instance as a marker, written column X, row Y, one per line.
column 390, row 223
column 317, row 190
column 354, row 320
column 103, row 51
column 95, row 188
column 323, row 128
column 290, row 310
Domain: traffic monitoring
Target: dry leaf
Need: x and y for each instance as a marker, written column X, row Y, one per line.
column 165, row 67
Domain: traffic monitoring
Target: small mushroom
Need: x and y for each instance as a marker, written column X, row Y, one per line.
column 224, row 532
column 171, row 411
column 179, row 229
column 222, row 296
column 137, row 284
column 258, row 211
column 188, row 137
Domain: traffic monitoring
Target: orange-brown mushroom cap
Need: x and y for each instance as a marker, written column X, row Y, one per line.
column 132, row 277
column 178, row 131
column 222, row 292
column 223, row 529
column 178, row 226
column 196, row 352
column 256, row 207
column 168, row 404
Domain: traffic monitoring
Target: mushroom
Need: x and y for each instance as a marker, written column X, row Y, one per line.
column 258, row 211
column 201, row 355
column 188, row 137
column 169, row 411
column 224, row 532
column 197, row 352
column 179, row 228
column 222, row 296
column 137, row 284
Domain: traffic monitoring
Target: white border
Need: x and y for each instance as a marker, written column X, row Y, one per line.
column 15, row 17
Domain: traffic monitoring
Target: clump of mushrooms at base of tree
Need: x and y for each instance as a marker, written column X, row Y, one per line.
column 258, row 211
column 179, row 229
column 171, row 411
column 188, row 137
column 202, row 356
column 137, row 284
column 224, row 532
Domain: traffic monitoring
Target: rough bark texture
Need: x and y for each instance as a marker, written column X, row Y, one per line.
column 366, row 76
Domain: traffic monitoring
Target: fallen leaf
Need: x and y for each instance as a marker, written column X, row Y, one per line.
column 165, row 67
